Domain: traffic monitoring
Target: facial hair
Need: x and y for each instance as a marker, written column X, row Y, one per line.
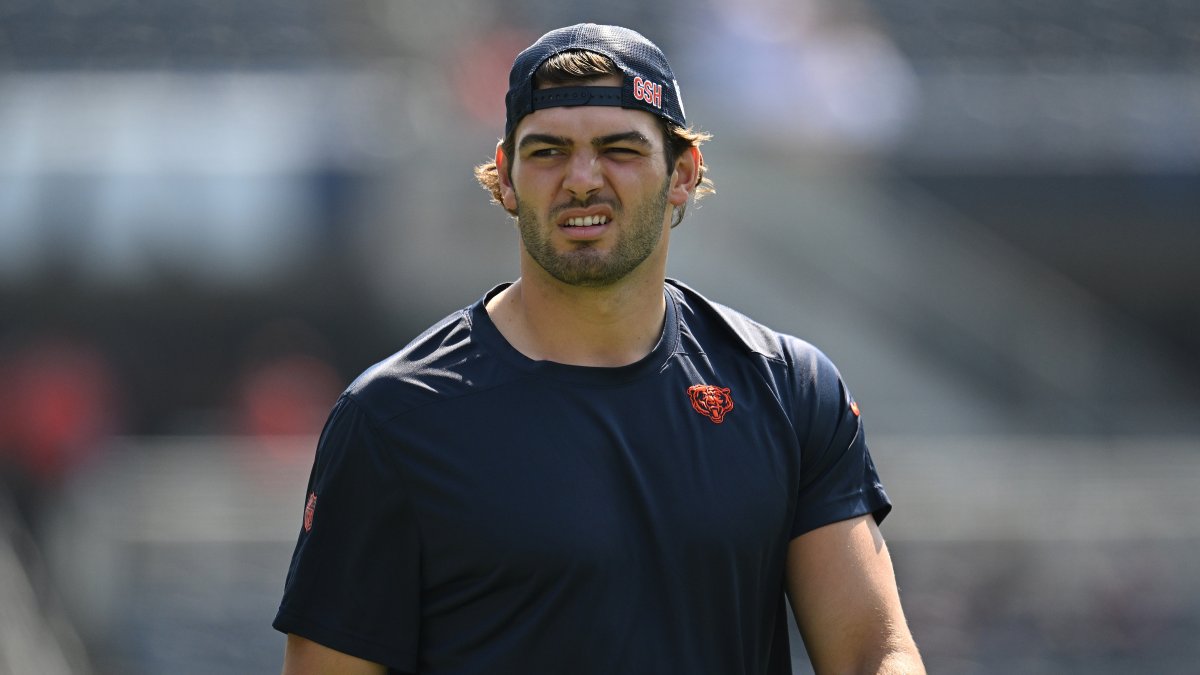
column 584, row 264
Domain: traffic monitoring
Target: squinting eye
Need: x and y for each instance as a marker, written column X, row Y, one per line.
column 545, row 152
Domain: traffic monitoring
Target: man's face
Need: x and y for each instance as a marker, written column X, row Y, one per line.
column 591, row 192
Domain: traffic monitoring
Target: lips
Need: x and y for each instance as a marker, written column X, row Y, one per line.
column 585, row 217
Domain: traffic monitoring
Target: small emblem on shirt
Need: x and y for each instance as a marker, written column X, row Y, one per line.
column 309, row 508
column 710, row 401
column 854, row 407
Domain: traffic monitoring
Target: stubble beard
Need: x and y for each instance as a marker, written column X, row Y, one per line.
column 586, row 265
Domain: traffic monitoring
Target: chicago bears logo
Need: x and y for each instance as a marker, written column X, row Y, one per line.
column 710, row 401
column 309, row 509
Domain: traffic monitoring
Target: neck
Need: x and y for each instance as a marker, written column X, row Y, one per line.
column 547, row 320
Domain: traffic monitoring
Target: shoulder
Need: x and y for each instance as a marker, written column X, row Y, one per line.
column 800, row 376
column 713, row 323
column 445, row 361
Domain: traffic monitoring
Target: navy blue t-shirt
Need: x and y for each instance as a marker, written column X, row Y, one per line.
column 474, row 511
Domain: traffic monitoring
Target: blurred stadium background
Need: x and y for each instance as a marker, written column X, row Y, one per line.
column 214, row 214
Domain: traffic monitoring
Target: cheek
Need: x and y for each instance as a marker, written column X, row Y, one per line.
column 531, row 187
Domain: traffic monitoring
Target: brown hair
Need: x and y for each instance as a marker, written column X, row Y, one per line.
column 569, row 67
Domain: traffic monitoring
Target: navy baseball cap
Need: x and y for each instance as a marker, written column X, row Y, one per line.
column 649, row 83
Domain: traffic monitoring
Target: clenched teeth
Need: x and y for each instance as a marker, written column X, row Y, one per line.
column 586, row 221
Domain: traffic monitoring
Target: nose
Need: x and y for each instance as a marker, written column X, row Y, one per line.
column 583, row 177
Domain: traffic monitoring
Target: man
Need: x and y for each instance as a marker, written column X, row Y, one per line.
column 593, row 469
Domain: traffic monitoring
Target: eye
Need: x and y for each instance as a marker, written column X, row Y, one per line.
column 622, row 152
column 546, row 152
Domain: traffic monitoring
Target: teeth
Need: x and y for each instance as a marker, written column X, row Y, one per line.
column 586, row 221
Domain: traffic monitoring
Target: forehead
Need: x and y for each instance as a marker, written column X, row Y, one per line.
column 581, row 124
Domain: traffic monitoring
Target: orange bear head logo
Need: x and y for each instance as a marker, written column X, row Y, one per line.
column 711, row 401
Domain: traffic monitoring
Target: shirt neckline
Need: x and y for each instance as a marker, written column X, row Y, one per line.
column 487, row 334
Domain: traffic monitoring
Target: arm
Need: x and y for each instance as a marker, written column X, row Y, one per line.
column 353, row 585
column 843, row 592
column 305, row 657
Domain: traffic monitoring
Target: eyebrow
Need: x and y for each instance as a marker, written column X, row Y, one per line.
column 543, row 139
column 635, row 137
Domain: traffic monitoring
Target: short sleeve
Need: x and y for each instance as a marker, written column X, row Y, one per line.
column 837, row 479
column 353, row 584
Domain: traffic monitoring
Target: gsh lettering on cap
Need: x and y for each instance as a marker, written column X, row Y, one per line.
column 645, row 90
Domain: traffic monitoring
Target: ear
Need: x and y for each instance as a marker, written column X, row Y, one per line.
column 508, row 196
column 687, row 173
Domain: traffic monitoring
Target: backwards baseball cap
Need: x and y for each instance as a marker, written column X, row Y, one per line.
column 649, row 83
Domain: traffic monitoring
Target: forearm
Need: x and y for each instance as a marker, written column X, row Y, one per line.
column 902, row 664
column 900, row 660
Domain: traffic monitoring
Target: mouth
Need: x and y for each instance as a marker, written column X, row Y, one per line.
column 585, row 224
column 587, row 216
column 585, row 221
